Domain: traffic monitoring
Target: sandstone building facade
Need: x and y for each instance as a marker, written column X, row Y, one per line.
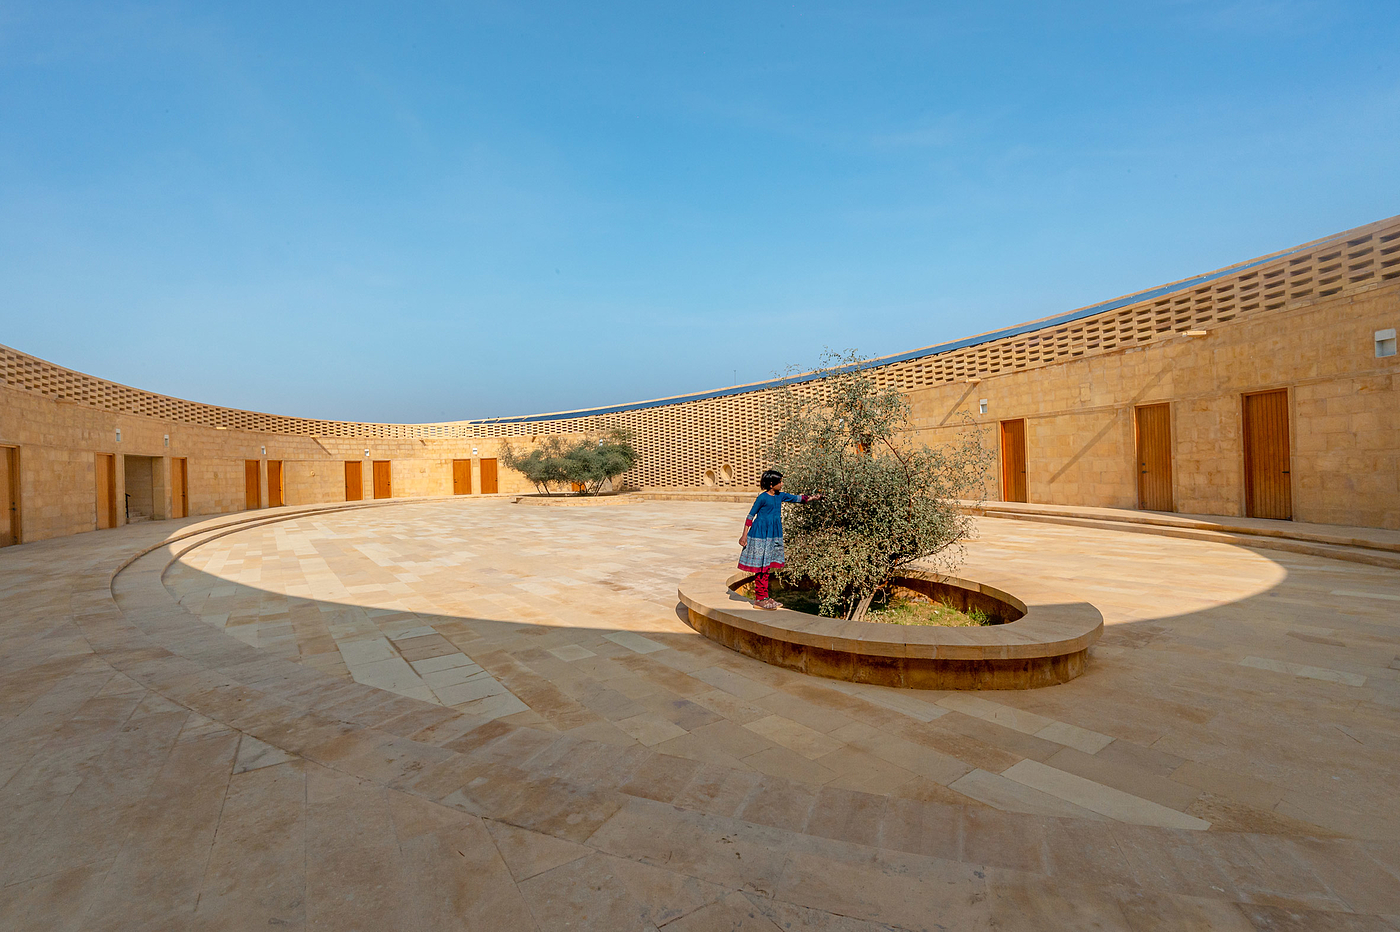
column 1270, row 388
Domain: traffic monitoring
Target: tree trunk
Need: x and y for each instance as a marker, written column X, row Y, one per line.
column 862, row 607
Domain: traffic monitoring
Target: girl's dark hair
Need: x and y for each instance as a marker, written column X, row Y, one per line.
column 770, row 478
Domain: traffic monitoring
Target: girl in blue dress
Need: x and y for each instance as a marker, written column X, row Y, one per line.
column 762, row 539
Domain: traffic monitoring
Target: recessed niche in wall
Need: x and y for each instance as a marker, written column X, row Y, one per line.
column 1385, row 343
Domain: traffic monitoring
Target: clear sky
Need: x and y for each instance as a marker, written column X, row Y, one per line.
column 418, row 212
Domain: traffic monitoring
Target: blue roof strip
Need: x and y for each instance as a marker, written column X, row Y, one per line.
column 935, row 350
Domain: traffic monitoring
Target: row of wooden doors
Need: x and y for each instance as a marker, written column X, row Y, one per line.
column 1267, row 457
column 1268, row 487
column 381, row 473
column 382, row 476
column 462, row 477
column 105, row 475
column 383, row 484
column 252, row 484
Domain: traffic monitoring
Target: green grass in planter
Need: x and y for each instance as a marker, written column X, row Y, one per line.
column 904, row 607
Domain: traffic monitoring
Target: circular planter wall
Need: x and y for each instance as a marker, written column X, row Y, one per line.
column 1047, row 642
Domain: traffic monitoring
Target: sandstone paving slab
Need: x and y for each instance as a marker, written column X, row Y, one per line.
column 529, row 853
column 255, row 873
column 1010, row 795
column 254, row 755
column 1100, row 798
column 383, row 791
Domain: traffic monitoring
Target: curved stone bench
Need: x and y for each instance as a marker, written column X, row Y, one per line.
column 1048, row 644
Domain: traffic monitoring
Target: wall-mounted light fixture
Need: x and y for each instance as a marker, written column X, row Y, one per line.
column 264, row 449
column 1385, row 343
column 167, row 440
column 366, row 453
column 473, row 451
column 982, row 406
column 119, row 435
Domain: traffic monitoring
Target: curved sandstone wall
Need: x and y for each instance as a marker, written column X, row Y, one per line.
column 1303, row 320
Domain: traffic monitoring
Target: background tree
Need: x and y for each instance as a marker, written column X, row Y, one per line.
column 595, row 461
column 888, row 501
column 589, row 462
column 542, row 465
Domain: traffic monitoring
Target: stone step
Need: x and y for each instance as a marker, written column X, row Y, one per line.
column 1371, row 557
column 1337, row 535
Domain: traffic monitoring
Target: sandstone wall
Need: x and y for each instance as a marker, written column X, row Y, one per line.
column 58, row 479
column 1344, row 405
column 1302, row 320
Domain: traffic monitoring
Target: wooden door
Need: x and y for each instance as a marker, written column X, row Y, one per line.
column 275, row 496
column 354, row 481
column 488, row 477
column 252, row 485
column 180, row 487
column 382, row 486
column 461, row 477
column 105, row 472
column 1154, row 457
column 9, row 496
column 1013, row 461
column 1268, row 480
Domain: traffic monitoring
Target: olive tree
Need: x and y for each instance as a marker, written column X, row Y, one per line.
column 887, row 499
column 589, row 462
column 543, row 465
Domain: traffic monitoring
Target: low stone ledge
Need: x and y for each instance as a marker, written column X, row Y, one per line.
column 574, row 500
column 728, row 496
column 1047, row 645
column 1369, row 546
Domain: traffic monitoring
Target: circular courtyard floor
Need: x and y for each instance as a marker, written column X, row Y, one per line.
column 455, row 714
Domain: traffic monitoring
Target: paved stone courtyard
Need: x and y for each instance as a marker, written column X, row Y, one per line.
column 472, row 714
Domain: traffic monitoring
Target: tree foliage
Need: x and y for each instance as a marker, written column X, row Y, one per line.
column 887, row 500
column 589, row 462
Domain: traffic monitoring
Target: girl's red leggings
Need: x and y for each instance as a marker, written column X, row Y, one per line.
column 760, row 586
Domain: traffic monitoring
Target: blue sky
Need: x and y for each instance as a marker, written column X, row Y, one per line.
column 419, row 212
